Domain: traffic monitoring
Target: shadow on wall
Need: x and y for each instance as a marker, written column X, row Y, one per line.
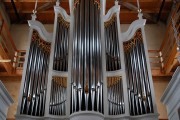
column 160, row 84
column 12, row 84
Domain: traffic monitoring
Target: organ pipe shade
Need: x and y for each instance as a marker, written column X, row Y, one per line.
column 35, row 85
column 115, row 95
column 139, row 92
column 113, row 61
column 58, row 96
column 87, row 88
column 61, row 45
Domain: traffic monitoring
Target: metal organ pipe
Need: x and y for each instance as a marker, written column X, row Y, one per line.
column 86, row 78
column 58, row 96
column 58, row 87
column 112, row 45
column 140, row 100
column 61, row 45
column 34, row 91
column 115, row 86
column 87, row 70
column 115, row 96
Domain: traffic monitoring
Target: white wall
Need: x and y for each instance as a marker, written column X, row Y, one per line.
column 160, row 84
column 20, row 34
column 154, row 34
column 12, row 84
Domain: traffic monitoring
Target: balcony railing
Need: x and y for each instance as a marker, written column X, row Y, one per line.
column 165, row 59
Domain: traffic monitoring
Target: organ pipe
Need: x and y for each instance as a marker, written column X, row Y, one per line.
column 139, row 92
column 112, row 45
column 35, row 85
column 61, row 45
column 115, row 96
column 58, row 96
column 87, row 87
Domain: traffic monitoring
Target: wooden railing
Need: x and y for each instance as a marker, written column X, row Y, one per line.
column 165, row 59
column 169, row 45
column 155, row 56
column 19, row 59
column 156, row 61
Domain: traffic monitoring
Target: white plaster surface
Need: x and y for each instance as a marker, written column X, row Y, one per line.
column 160, row 84
column 154, row 34
column 20, row 34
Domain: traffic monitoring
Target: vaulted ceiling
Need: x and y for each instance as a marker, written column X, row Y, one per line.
column 154, row 10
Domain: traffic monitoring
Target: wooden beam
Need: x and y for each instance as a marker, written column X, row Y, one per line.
column 159, row 73
column 3, row 55
column 5, row 60
column 134, row 8
column 171, row 61
column 68, row 1
column 13, row 74
column 4, row 26
column 45, row 10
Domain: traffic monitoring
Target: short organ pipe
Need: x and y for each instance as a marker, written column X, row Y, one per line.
column 58, row 96
column 115, row 96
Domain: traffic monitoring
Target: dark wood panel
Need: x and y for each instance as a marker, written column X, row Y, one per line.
column 45, row 8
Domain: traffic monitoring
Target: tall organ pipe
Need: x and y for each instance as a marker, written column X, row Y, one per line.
column 61, row 45
column 86, row 78
column 35, row 86
column 139, row 93
column 111, row 45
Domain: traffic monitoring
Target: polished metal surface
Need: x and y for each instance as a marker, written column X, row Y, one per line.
column 34, row 91
column 140, row 100
column 113, row 61
column 58, row 97
column 87, row 87
column 61, row 46
column 115, row 96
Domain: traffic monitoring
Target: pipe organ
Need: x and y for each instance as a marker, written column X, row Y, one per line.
column 139, row 92
column 113, row 61
column 61, row 45
column 115, row 96
column 87, row 84
column 35, row 85
column 58, row 96
column 87, row 68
